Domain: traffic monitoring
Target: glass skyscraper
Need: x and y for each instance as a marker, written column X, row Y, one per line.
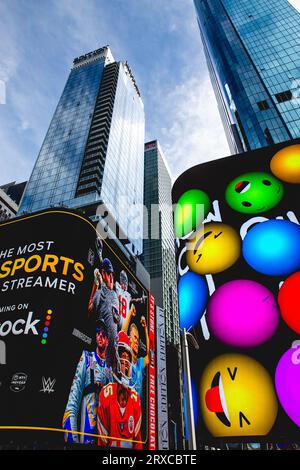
column 159, row 260
column 93, row 151
column 252, row 49
column 159, row 244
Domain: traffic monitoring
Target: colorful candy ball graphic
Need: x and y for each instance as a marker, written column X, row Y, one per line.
column 243, row 313
column 253, row 193
column 192, row 298
column 273, row 247
column 286, row 164
column 191, row 209
column 237, row 397
column 287, row 382
column 214, row 248
column 289, row 301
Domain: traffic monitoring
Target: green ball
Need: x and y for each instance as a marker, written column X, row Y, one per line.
column 191, row 209
column 253, row 193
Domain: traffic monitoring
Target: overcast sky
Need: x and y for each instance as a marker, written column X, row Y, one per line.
column 159, row 39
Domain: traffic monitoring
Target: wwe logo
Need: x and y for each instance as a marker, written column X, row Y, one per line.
column 48, row 385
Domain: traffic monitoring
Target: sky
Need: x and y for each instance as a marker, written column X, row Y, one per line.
column 160, row 40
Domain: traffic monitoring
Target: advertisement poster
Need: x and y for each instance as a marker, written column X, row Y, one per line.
column 75, row 338
column 239, row 293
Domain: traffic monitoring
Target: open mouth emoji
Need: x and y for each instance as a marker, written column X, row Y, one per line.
column 237, row 397
column 215, row 400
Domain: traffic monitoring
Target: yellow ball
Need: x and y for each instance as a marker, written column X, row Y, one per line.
column 237, row 397
column 214, row 248
column 286, row 164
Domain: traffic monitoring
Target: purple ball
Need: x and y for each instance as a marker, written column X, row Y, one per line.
column 287, row 383
column 243, row 313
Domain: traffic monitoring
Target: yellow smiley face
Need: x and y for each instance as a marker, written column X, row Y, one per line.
column 237, row 397
column 214, row 248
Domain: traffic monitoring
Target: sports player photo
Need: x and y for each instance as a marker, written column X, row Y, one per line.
column 119, row 410
column 91, row 375
column 104, row 304
column 139, row 363
column 126, row 301
column 106, row 399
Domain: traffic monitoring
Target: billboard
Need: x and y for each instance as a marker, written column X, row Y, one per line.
column 238, row 260
column 77, row 337
column 162, row 385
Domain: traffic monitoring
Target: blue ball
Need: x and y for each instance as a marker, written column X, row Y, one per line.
column 273, row 247
column 193, row 298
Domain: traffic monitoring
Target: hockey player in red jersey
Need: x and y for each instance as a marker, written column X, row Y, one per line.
column 119, row 410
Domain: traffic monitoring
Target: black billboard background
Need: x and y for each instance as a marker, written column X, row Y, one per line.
column 213, row 178
column 54, row 362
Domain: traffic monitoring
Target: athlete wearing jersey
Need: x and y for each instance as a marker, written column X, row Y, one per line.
column 90, row 376
column 119, row 411
column 126, row 302
column 104, row 305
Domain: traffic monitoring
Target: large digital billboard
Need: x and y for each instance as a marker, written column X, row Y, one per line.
column 238, row 256
column 77, row 336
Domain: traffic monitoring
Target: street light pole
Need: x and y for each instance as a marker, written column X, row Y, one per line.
column 188, row 387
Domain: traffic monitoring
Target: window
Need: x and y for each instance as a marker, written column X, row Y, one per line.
column 284, row 96
column 268, row 136
column 263, row 105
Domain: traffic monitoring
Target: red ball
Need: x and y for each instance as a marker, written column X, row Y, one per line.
column 289, row 301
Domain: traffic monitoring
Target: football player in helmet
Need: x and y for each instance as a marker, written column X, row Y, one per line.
column 119, row 410
column 126, row 302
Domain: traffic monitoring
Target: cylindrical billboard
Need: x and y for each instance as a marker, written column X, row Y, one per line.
column 238, row 259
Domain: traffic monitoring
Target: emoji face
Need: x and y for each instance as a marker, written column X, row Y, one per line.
column 273, row 247
column 286, row 164
column 242, row 313
column 214, row 248
column 289, row 301
column 253, row 193
column 237, row 397
column 191, row 209
column 287, row 382
column 192, row 299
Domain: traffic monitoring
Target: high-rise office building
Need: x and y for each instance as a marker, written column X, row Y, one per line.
column 159, row 260
column 93, row 151
column 253, row 55
column 159, row 244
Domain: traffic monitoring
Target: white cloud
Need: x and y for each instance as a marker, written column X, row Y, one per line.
column 194, row 133
column 24, row 125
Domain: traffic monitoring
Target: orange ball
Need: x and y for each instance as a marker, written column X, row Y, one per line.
column 286, row 164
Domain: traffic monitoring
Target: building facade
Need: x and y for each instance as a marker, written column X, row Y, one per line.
column 159, row 260
column 8, row 208
column 93, row 150
column 253, row 55
column 10, row 196
column 159, row 243
column 14, row 190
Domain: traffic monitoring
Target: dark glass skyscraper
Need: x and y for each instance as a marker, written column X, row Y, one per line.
column 253, row 55
column 159, row 260
column 159, row 244
column 93, row 151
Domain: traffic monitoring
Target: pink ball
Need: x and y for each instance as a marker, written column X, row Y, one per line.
column 243, row 313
